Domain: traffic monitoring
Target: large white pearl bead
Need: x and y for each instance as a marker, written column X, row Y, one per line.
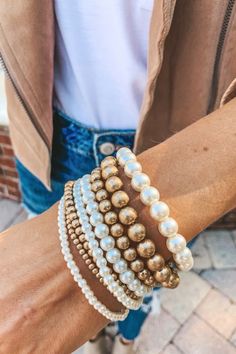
column 88, row 196
column 91, row 207
column 159, row 211
column 183, row 256
column 104, row 271
column 140, row 181
column 93, row 244
column 96, row 218
column 135, row 285
column 120, row 266
column 85, row 179
column 127, row 277
column 141, row 291
column 101, row 230
column 123, row 150
column 176, row 243
column 168, row 227
column 97, row 253
column 131, row 167
column 113, row 255
column 149, row 195
column 186, row 266
column 107, row 243
column 101, row 262
column 125, row 158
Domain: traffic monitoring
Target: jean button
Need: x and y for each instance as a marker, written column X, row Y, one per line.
column 107, row 148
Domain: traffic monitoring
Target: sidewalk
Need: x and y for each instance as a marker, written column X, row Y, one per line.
column 200, row 316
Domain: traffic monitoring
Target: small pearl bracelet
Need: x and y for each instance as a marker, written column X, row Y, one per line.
column 96, row 219
column 159, row 210
column 88, row 293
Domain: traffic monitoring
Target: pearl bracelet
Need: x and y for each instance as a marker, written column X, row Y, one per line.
column 159, row 210
column 88, row 293
column 96, row 219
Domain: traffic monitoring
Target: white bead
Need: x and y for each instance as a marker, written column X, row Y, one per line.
column 93, row 244
column 104, row 271
column 108, row 279
column 119, row 292
column 90, row 235
column 168, row 227
column 88, row 196
column 113, row 255
column 176, row 243
column 113, row 286
column 139, row 181
column 86, row 227
column 101, row 262
column 98, row 253
column 120, row 266
column 183, row 256
column 96, row 218
column 107, row 243
column 141, row 291
column 186, row 266
column 159, row 211
column 91, row 207
column 149, row 195
column 85, row 179
column 127, row 277
column 131, row 167
column 135, row 285
column 125, row 158
column 85, row 188
column 123, row 150
column 101, row 230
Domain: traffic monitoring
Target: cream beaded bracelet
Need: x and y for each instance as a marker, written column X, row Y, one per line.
column 96, row 220
column 88, row 293
column 159, row 210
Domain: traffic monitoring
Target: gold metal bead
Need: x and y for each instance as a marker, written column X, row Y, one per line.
column 78, row 231
column 150, row 281
column 102, row 194
column 85, row 256
column 130, row 254
column 108, row 161
column 123, row 242
column 68, row 197
column 110, row 218
column 79, row 246
column 75, row 223
column 86, row 245
column 146, row 249
column 96, row 169
column 128, row 215
column 98, row 276
column 137, row 232
column 70, row 231
column 91, row 266
column 90, row 253
column 162, row 275
column 113, row 184
column 97, row 185
column 88, row 261
column 82, row 238
column 82, row 252
column 72, row 216
column 96, row 175
column 69, row 203
column 76, row 241
column 155, row 263
column 137, row 265
column 114, row 276
column 70, row 209
column 144, row 274
column 109, row 171
column 95, row 271
column 117, row 230
column 68, row 224
column 73, row 236
column 101, row 280
column 120, row 199
column 172, row 282
column 105, row 206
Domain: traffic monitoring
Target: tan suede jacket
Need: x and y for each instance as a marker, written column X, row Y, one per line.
column 191, row 71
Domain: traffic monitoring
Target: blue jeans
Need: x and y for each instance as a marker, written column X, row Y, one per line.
column 76, row 150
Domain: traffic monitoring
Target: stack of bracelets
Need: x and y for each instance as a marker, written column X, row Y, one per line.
column 94, row 214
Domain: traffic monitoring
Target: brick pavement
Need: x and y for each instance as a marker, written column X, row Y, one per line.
column 200, row 316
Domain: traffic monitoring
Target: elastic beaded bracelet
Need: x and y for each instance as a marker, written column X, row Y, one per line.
column 119, row 199
column 97, row 252
column 159, row 211
column 80, row 243
column 75, row 272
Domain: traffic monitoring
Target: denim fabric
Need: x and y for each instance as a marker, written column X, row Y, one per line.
column 76, row 152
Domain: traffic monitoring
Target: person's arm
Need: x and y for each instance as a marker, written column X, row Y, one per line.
column 42, row 309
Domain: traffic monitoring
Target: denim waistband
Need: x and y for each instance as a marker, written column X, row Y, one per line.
column 96, row 143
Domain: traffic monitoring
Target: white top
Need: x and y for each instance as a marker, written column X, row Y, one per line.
column 101, row 60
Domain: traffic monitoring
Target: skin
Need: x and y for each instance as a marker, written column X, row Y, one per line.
column 42, row 309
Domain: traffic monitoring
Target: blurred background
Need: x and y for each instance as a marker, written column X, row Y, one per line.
column 199, row 317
